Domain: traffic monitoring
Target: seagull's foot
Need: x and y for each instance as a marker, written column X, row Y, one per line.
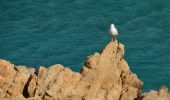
column 113, row 41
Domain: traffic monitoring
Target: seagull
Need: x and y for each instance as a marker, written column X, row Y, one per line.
column 113, row 31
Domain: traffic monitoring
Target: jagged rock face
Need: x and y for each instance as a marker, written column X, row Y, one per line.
column 161, row 94
column 13, row 79
column 104, row 76
column 109, row 76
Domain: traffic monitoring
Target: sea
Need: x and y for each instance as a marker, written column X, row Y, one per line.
column 46, row 32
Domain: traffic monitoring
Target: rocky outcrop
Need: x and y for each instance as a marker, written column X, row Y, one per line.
column 161, row 94
column 104, row 76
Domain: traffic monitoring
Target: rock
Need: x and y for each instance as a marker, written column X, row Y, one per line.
column 161, row 94
column 104, row 76
column 32, row 85
column 34, row 98
column 18, row 97
column 13, row 79
column 46, row 78
column 7, row 74
column 20, row 80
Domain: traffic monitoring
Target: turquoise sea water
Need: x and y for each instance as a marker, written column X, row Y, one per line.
column 46, row 32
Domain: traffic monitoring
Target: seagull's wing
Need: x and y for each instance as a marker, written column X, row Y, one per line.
column 116, row 31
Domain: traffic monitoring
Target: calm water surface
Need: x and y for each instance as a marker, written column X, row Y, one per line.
column 46, row 32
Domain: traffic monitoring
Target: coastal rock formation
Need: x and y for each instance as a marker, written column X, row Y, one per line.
column 161, row 94
column 104, row 76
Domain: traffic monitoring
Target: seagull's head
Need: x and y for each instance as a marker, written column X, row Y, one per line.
column 112, row 25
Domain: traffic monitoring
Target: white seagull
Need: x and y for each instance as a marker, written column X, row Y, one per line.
column 113, row 31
